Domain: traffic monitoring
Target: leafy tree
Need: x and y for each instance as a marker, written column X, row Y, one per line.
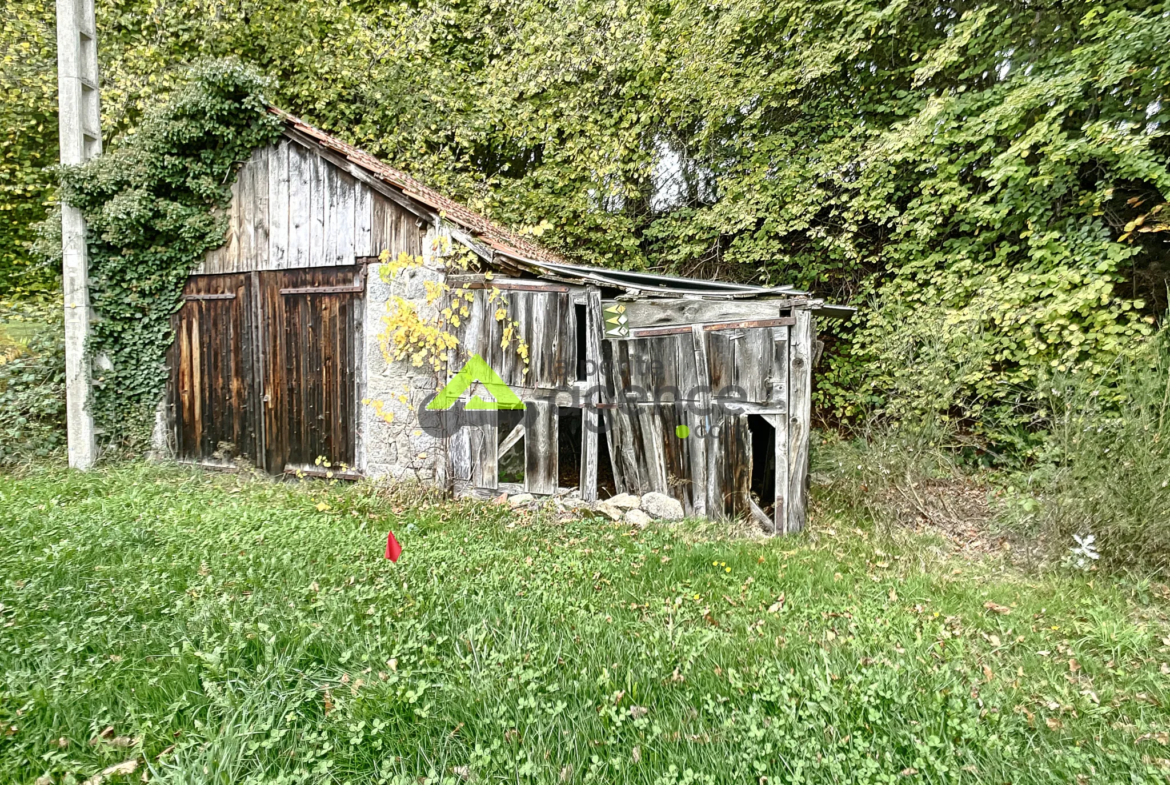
column 986, row 180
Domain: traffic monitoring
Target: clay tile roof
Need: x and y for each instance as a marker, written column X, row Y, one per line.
column 483, row 230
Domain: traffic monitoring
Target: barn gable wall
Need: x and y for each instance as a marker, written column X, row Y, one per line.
column 291, row 208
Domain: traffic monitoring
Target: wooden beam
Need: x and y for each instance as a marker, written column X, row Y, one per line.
column 482, row 441
column 590, row 421
column 706, row 498
column 799, row 418
column 766, row 523
column 540, row 448
column 649, row 332
column 510, row 440
column 679, row 310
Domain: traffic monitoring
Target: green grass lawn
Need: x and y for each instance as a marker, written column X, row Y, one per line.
column 225, row 629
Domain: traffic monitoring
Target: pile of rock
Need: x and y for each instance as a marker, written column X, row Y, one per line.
column 634, row 510
column 640, row 510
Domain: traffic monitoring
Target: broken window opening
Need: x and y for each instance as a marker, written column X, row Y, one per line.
column 510, row 445
column 569, row 432
column 582, row 343
column 763, row 484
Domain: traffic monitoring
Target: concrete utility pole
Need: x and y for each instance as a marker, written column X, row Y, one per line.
column 81, row 139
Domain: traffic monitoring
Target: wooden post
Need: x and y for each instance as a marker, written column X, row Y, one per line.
column 779, row 399
column 589, row 414
column 799, row 417
column 81, row 139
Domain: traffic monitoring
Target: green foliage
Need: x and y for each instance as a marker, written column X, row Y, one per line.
column 230, row 629
column 28, row 140
column 1105, row 467
column 153, row 206
column 32, row 381
column 984, row 179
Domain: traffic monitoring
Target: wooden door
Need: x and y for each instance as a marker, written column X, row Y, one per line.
column 311, row 369
column 213, row 402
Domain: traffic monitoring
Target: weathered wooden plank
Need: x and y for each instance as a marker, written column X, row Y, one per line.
column 779, row 422
column 658, row 313
column 507, row 285
column 779, row 397
column 485, row 471
column 278, row 201
column 753, row 363
column 231, row 259
column 676, row 329
column 363, row 217
column 246, row 214
column 541, row 447
column 777, row 381
column 459, row 454
column 330, row 187
column 258, row 228
column 617, row 425
column 300, row 183
column 539, row 332
column 693, row 379
column 510, row 440
column 341, row 220
column 707, row 499
column 318, row 210
column 799, row 418
column 589, row 417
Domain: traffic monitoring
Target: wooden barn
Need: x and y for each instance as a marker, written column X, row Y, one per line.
column 634, row 382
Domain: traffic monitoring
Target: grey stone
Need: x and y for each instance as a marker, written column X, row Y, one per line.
column 625, row 501
column 608, row 510
column 661, row 506
column 638, row 518
column 520, row 498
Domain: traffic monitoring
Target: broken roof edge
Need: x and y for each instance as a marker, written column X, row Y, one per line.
column 646, row 285
column 479, row 231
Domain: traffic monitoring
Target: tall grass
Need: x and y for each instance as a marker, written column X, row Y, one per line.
column 228, row 629
column 1106, row 469
column 32, row 381
column 907, row 474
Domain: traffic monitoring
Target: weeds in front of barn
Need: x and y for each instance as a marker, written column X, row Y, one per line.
column 217, row 628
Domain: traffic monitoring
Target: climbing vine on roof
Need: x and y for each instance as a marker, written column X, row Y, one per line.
column 154, row 205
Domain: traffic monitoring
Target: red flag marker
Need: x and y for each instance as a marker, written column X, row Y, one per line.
column 393, row 549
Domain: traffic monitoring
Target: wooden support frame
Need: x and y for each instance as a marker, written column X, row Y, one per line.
column 589, row 415
column 799, row 415
column 482, row 448
column 541, row 447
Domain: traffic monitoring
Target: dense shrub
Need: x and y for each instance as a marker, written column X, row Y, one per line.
column 32, row 382
column 1105, row 469
column 987, row 180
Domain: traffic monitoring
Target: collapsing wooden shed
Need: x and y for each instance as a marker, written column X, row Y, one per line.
column 633, row 382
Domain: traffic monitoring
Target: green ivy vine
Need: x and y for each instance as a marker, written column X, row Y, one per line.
column 154, row 206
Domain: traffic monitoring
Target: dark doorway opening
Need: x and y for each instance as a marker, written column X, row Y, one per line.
column 763, row 484
column 510, row 445
column 569, row 422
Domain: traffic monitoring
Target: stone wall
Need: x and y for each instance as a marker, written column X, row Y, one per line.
column 391, row 444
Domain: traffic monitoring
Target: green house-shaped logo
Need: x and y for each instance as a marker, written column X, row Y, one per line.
column 477, row 370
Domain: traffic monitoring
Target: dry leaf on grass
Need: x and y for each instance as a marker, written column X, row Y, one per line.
column 995, row 608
